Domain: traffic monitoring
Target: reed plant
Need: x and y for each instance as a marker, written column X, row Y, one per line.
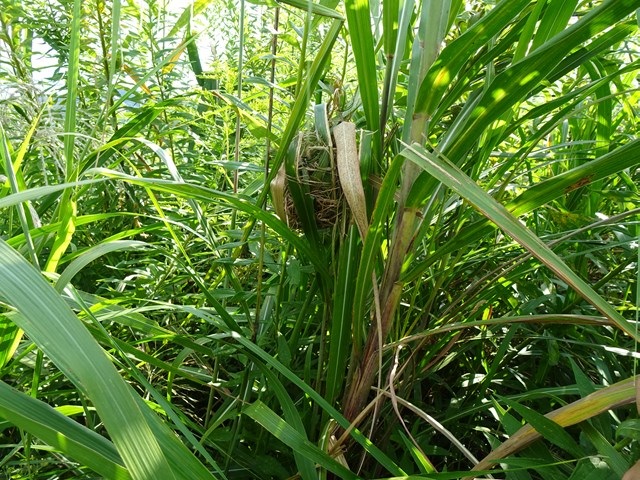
column 366, row 239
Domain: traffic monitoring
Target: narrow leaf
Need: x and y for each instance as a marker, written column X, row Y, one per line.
column 62, row 433
column 271, row 422
column 447, row 173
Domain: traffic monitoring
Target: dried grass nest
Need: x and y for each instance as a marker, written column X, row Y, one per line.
column 329, row 173
column 317, row 174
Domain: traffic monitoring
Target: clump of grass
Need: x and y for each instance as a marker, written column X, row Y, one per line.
column 474, row 283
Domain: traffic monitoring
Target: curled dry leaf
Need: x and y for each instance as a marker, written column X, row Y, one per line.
column 348, row 162
column 278, row 187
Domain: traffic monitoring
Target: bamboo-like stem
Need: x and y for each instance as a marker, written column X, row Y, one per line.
column 423, row 56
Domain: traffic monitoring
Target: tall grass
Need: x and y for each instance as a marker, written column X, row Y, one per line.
column 365, row 240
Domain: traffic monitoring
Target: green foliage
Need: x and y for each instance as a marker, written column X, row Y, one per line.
column 158, row 319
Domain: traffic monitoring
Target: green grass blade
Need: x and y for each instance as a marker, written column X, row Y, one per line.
column 13, row 182
column 598, row 46
column 391, row 24
column 618, row 461
column 447, row 173
column 38, row 192
column 26, row 142
column 453, row 57
column 341, row 323
column 62, row 433
column 604, row 109
column 188, row 13
column 541, row 193
column 315, row 8
column 549, row 429
column 619, row 159
column 359, row 21
column 148, row 448
column 10, row 336
column 67, row 207
column 394, row 55
column 284, row 432
column 563, row 106
column 73, row 75
column 616, row 395
column 433, row 24
column 555, row 19
column 92, row 254
column 157, row 396
column 517, row 81
column 305, row 464
column 371, row 249
column 119, row 140
column 524, row 42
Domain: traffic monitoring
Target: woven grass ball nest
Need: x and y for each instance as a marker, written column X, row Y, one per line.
column 320, row 180
column 316, row 175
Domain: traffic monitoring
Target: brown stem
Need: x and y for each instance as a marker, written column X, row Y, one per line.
column 366, row 371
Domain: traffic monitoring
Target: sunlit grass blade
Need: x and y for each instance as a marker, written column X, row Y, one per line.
column 394, row 52
column 150, row 449
column 18, row 158
column 391, row 23
column 453, row 57
column 5, row 155
column 188, row 13
column 62, row 433
column 315, row 8
column 290, row 437
column 67, row 207
column 614, row 396
column 564, row 106
column 512, row 85
column 359, row 21
column 10, row 336
column 555, row 19
column 434, row 18
column 598, row 46
column 541, row 193
column 617, row 160
column 447, row 173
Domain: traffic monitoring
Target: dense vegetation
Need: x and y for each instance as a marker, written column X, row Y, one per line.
column 360, row 239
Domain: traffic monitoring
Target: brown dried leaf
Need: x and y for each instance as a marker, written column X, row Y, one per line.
column 348, row 162
column 278, row 188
